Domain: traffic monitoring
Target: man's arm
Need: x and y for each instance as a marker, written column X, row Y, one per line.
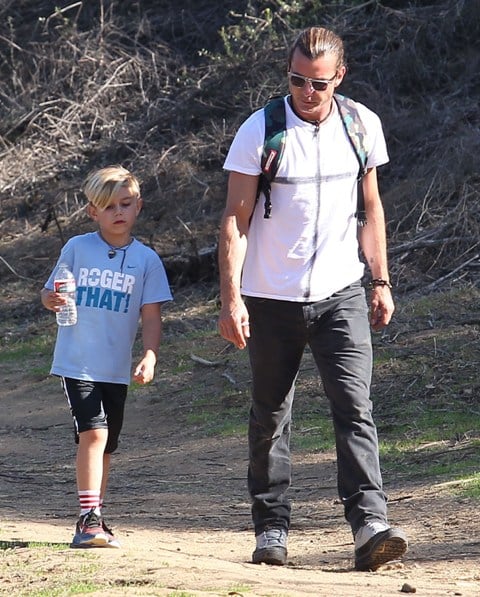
column 241, row 196
column 373, row 243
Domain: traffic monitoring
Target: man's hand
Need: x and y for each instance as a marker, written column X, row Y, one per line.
column 233, row 324
column 381, row 307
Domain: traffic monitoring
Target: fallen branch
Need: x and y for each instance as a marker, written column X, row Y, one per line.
column 14, row 272
column 230, row 378
column 457, row 482
column 197, row 359
column 423, row 243
column 452, row 273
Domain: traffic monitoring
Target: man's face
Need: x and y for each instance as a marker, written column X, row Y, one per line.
column 309, row 103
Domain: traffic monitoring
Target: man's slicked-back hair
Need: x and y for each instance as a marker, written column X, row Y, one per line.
column 102, row 184
column 316, row 42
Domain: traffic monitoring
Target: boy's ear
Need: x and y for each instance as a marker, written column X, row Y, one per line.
column 92, row 211
column 139, row 205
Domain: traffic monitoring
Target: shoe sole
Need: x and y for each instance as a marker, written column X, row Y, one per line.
column 274, row 556
column 112, row 543
column 97, row 541
column 111, row 540
column 381, row 548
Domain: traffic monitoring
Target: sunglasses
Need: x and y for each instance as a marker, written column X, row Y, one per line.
column 317, row 84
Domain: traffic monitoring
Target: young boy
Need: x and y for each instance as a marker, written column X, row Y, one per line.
column 119, row 280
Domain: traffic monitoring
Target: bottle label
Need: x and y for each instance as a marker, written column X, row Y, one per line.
column 64, row 286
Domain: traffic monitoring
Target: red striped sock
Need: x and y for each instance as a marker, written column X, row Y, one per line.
column 89, row 498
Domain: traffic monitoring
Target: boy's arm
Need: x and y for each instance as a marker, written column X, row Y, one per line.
column 151, row 316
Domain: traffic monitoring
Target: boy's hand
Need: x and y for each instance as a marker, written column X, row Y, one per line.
column 52, row 300
column 145, row 370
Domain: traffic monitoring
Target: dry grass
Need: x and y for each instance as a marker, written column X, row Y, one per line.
column 162, row 90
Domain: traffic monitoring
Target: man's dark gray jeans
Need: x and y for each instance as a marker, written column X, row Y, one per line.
column 338, row 333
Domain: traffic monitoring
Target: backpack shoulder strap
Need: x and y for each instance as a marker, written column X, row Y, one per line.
column 354, row 128
column 356, row 134
column 273, row 147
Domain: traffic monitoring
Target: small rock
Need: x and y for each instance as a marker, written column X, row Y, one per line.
column 406, row 588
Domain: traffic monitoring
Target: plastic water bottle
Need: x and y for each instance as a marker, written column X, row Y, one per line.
column 65, row 284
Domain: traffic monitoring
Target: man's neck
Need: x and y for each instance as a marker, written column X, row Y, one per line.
column 325, row 113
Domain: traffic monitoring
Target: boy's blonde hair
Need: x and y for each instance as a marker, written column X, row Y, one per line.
column 101, row 185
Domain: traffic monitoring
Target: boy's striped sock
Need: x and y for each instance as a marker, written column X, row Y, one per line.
column 89, row 498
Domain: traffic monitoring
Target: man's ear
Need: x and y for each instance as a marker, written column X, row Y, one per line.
column 92, row 212
column 341, row 72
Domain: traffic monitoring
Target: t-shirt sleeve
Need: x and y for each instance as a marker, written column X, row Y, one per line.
column 156, row 288
column 245, row 153
column 375, row 144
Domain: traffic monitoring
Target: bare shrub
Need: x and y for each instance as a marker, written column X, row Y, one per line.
column 162, row 88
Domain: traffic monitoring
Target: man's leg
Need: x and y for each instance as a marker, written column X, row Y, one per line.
column 275, row 348
column 341, row 344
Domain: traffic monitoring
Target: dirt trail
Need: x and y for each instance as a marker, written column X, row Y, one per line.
column 180, row 508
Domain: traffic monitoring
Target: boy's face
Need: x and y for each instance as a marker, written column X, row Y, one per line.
column 117, row 219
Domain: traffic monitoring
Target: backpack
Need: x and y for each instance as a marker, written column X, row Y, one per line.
column 274, row 145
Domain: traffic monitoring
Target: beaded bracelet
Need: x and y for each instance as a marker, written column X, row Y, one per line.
column 379, row 282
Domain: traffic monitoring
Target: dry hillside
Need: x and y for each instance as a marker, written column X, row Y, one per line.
column 162, row 86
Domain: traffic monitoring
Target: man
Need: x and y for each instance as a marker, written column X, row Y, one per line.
column 300, row 272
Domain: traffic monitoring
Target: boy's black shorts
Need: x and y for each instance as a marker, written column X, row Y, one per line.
column 96, row 405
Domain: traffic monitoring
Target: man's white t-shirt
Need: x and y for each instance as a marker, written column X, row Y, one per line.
column 110, row 295
column 308, row 248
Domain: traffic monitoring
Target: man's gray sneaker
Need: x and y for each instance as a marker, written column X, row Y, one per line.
column 271, row 547
column 376, row 544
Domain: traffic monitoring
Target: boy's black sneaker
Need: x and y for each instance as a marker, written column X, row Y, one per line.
column 89, row 531
column 112, row 541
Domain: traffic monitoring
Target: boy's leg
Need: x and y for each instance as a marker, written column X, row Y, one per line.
column 114, row 397
column 90, row 530
column 106, row 473
column 113, row 403
column 85, row 400
column 90, row 451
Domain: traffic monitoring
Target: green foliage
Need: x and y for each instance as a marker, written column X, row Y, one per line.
column 470, row 487
column 223, row 416
column 30, row 346
column 313, row 433
column 75, row 588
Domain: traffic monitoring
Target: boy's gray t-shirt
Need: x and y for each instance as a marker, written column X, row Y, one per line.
column 110, row 295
